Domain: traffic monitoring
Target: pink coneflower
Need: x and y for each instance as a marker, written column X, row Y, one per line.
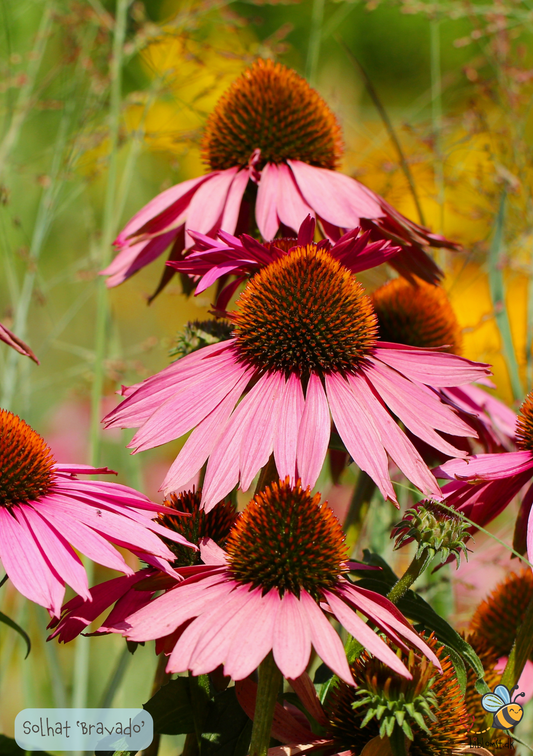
column 254, row 598
column 272, row 145
column 484, row 484
column 45, row 511
column 9, row 338
column 304, row 346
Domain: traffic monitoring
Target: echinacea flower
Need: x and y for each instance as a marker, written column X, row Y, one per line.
column 45, row 510
column 417, row 314
column 272, row 146
column 125, row 594
column 253, row 598
column 483, row 485
column 304, row 345
column 9, row 338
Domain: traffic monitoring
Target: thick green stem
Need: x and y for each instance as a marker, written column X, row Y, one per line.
column 161, row 677
column 358, row 509
column 415, row 569
column 267, row 693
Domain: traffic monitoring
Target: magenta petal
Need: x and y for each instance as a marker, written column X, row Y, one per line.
column 365, row 635
column 292, row 209
column 286, row 437
column 267, row 202
column 438, row 369
column 394, row 440
column 207, row 205
column 202, row 440
column 263, row 412
column 13, row 341
column 487, row 466
column 359, row 433
column 314, row 433
column 325, row 640
column 292, row 638
column 338, row 199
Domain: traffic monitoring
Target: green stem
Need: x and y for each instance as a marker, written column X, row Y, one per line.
column 315, row 40
column 358, row 509
column 267, row 692
column 415, row 569
column 436, row 108
column 397, row 742
column 161, row 677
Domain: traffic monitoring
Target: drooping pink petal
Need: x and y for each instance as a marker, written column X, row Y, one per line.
column 306, row 692
column 133, row 258
column 286, row 437
column 314, row 433
column 202, row 440
column 438, row 369
column 359, row 433
column 9, row 338
column 486, row 466
column 232, row 207
column 28, row 569
column 365, row 635
column 267, row 202
column 325, row 640
column 207, row 204
column 333, row 196
column 66, row 562
column 263, row 417
column 211, row 552
column 253, row 638
column 396, row 443
column 292, row 209
column 292, row 638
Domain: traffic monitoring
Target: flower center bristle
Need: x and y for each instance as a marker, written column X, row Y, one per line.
column 273, row 109
column 26, row 462
column 215, row 524
column 304, row 313
column 287, row 539
column 524, row 424
column 417, row 315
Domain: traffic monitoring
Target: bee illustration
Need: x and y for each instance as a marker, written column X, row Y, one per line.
column 507, row 713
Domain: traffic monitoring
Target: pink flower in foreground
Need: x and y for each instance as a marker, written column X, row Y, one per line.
column 253, row 598
column 484, row 484
column 45, row 511
column 304, row 346
column 272, row 145
column 17, row 344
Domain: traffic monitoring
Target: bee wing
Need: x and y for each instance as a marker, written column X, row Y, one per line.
column 492, row 702
column 502, row 692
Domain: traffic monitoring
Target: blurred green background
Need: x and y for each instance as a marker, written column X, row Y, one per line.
column 84, row 145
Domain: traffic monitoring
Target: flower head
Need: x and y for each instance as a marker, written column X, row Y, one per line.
column 254, row 598
column 303, row 351
column 436, row 529
column 272, row 145
column 45, row 510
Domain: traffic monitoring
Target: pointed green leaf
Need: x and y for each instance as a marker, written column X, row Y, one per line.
column 13, row 625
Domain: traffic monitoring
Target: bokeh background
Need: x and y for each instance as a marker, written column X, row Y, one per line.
column 102, row 106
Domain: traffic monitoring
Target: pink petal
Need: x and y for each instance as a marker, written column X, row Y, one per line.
column 360, row 435
column 325, row 640
column 292, row 638
column 338, row 199
column 253, row 638
column 291, row 206
column 487, row 466
column 394, row 440
column 263, row 418
column 365, row 635
column 286, row 438
column 202, row 440
column 233, row 202
column 13, row 341
column 267, row 202
column 208, row 203
column 438, row 369
column 28, row 569
column 133, row 258
column 314, row 433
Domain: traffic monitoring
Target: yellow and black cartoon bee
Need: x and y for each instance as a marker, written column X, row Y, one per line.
column 507, row 713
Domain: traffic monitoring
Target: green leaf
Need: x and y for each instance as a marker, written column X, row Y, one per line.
column 459, row 666
column 171, row 708
column 9, row 747
column 12, row 624
column 230, row 728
